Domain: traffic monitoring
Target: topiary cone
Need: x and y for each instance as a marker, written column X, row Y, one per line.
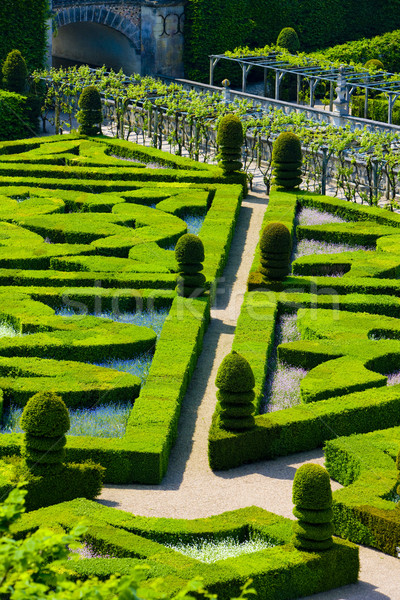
column 312, row 497
column 289, row 40
column 45, row 420
column 230, row 140
column 235, row 381
column 286, row 161
column 90, row 115
column 275, row 251
column 15, row 72
column 189, row 254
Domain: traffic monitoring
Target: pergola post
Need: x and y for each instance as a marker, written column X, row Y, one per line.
column 313, row 84
column 366, row 104
column 392, row 100
column 298, row 88
column 213, row 63
column 331, row 96
column 265, row 82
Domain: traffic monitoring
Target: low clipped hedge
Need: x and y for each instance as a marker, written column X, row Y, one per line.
column 377, row 109
column 365, row 465
column 280, row 572
column 109, row 251
column 345, row 392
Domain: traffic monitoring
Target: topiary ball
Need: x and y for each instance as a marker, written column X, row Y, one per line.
column 275, row 240
column 230, row 132
column 15, row 72
column 45, row 414
column 189, row 249
column 287, row 149
column 289, row 40
column 235, row 374
column 374, row 63
column 90, row 98
column 312, row 488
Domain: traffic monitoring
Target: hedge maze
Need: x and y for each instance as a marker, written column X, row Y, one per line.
column 88, row 227
column 278, row 572
column 347, row 318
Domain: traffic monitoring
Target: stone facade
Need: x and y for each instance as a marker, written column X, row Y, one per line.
column 151, row 40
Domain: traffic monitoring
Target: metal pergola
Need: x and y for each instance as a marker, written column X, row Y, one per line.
column 378, row 82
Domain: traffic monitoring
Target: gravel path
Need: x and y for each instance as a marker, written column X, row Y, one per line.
column 190, row 489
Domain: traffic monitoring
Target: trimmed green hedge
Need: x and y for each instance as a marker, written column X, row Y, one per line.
column 109, row 251
column 214, row 26
column 19, row 115
column 363, row 511
column 348, row 352
column 23, row 25
column 277, row 573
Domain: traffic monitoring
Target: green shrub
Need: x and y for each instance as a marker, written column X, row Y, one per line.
column 15, row 72
column 90, row 115
column 289, row 40
column 286, row 161
column 235, row 381
column 312, row 497
column 374, row 63
column 275, row 250
column 189, row 254
column 230, row 141
column 19, row 115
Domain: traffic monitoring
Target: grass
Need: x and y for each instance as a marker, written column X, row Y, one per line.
column 282, row 386
column 212, row 551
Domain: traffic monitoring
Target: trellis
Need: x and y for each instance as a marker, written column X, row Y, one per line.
column 381, row 81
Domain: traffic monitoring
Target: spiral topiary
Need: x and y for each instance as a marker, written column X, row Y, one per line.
column 374, row 63
column 45, row 420
column 15, row 72
column 90, row 115
column 235, row 383
column 189, row 254
column 289, row 40
column 312, row 497
column 286, row 161
column 230, row 141
column 275, row 250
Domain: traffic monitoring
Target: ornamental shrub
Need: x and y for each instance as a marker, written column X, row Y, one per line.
column 289, row 40
column 398, row 468
column 374, row 63
column 15, row 72
column 230, row 141
column 189, row 254
column 235, row 381
column 90, row 115
column 48, row 480
column 275, row 251
column 312, row 497
column 286, row 161
column 45, row 420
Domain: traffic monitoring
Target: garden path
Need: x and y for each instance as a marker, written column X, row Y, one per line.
column 190, row 489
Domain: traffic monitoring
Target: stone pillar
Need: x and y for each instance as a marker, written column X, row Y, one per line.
column 49, row 52
column 340, row 105
column 162, row 38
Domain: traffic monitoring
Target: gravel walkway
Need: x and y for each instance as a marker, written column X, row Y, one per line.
column 190, row 489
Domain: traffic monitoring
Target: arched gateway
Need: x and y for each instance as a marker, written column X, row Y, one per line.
column 141, row 36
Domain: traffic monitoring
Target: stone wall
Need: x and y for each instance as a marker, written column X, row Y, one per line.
column 143, row 36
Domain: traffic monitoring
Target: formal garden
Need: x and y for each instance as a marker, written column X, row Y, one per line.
column 193, row 287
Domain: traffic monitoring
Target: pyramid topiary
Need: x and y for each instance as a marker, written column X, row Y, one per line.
column 235, row 381
column 289, row 40
column 230, row 141
column 374, row 63
column 90, row 115
column 312, row 497
column 189, row 254
column 45, row 420
column 286, row 161
column 275, row 250
column 15, row 72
